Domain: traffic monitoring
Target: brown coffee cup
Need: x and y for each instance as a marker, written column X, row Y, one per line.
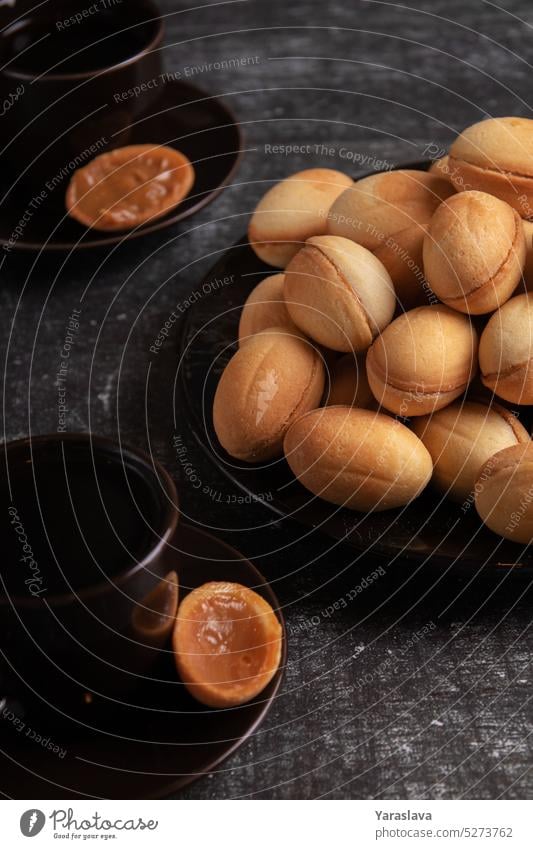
column 73, row 82
column 88, row 584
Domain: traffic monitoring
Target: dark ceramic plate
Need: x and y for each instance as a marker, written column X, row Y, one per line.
column 160, row 742
column 430, row 529
column 185, row 118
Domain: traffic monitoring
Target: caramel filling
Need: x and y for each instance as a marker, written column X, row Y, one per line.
column 129, row 186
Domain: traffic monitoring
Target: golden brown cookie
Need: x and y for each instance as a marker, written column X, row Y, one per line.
column 474, row 252
column 274, row 377
column 422, row 361
column 357, row 458
column 293, row 210
column 338, row 293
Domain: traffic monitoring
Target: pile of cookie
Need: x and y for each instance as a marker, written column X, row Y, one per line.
column 396, row 347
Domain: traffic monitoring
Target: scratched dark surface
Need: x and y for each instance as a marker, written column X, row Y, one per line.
column 419, row 685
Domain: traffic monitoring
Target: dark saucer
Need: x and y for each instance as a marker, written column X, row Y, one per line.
column 431, row 529
column 185, row 117
column 160, row 742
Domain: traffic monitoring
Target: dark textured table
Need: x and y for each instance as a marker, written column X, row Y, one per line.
column 420, row 686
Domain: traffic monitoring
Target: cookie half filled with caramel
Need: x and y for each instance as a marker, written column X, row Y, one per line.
column 129, row 186
column 227, row 644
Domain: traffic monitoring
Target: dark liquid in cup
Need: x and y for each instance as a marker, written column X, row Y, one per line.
column 93, row 520
column 105, row 38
